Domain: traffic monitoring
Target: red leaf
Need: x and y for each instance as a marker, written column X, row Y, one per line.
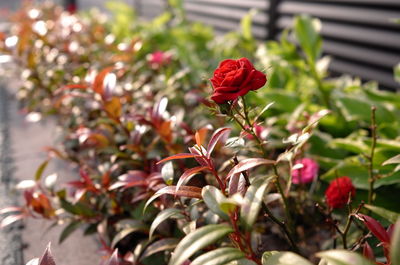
column 184, row 191
column 178, row 156
column 237, row 184
column 368, row 252
column 200, row 159
column 197, row 137
column 376, row 228
column 47, row 257
column 248, row 164
column 98, row 84
column 188, row 174
column 218, row 134
column 71, row 87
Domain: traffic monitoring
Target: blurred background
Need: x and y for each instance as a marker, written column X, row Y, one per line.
column 361, row 35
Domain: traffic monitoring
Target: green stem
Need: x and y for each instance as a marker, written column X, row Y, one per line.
column 320, row 87
column 371, row 157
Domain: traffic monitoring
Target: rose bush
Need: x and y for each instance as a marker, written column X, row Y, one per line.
column 166, row 176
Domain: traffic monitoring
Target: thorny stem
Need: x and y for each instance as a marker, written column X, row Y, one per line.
column 371, row 156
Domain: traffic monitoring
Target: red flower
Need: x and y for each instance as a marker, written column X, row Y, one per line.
column 338, row 192
column 235, row 78
column 307, row 173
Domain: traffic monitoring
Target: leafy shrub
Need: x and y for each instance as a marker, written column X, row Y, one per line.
column 166, row 175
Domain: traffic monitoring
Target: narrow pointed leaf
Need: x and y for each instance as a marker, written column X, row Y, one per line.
column 343, row 257
column 10, row 220
column 218, row 134
column 113, row 260
column 213, row 197
column 388, row 215
column 376, row 228
column 368, row 252
column 40, row 170
column 184, row 191
column 393, row 160
column 252, row 201
column 285, row 258
column 69, row 229
column 162, row 216
column 197, row 240
column 134, row 227
column 188, row 174
column 249, row 164
column 160, row 245
column 395, row 245
column 178, row 156
column 219, row 256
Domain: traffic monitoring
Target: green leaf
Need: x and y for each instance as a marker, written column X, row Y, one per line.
column 252, row 201
column 219, row 256
column 213, row 197
column 395, row 245
column 388, row 215
column 306, row 30
column 286, row 258
column 160, row 245
column 197, row 240
column 41, row 168
column 68, row 230
column 135, row 226
column 393, row 160
column 267, row 254
column 343, row 257
column 162, row 216
column 246, row 24
column 355, row 146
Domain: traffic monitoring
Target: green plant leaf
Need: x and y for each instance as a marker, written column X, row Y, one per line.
column 134, row 226
column 160, row 245
column 246, row 23
column 162, row 216
column 393, row 160
column 213, row 197
column 252, row 201
column 306, row 30
column 343, row 257
column 40, row 170
column 167, row 173
column 219, row 256
column 355, row 146
column 69, row 229
column 388, row 215
column 285, row 258
column 266, row 255
column 395, row 245
column 197, row 240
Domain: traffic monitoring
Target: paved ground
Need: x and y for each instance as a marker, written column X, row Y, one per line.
column 26, row 140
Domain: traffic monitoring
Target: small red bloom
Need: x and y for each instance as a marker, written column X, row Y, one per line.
column 338, row 192
column 307, row 173
column 235, row 78
column 158, row 59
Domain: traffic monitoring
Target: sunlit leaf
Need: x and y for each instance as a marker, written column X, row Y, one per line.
column 197, row 240
column 219, row 256
column 253, row 200
column 213, row 197
column 285, row 258
column 160, row 245
column 217, row 135
column 162, row 216
column 343, row 257
column 184, row 191
column 178, row 156
column 376, row 228
column 167, row 173
column 395, row 245
column 393, row 160
column 388, row 215
column 41, row 168
column 188, row 174
column 249, row 163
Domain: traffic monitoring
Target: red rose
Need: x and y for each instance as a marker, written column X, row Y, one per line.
column 235, row 78
column 338, row 192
